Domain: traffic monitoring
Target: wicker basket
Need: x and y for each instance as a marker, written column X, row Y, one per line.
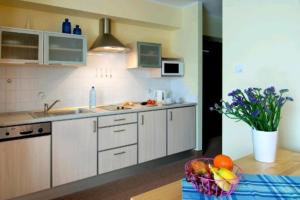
column 209, row 186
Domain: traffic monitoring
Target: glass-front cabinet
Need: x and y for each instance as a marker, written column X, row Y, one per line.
column 144, row 54
column 149, row 54
column 64, row 49
column 26, row 46
column 21, row 46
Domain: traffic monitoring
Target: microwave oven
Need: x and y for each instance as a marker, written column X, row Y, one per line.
column 172, row 68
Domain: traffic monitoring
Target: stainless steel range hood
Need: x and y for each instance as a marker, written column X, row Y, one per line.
column 107, row 42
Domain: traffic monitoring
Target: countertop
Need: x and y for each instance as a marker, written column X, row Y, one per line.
column 287, row 164
column 18, row 118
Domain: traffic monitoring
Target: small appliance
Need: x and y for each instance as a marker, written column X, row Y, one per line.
column 160, row 95
column 172, row 67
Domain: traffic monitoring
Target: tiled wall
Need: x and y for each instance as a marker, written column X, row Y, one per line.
column 22, row 87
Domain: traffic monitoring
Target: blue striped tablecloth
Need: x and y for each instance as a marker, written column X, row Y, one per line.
column 258, row 187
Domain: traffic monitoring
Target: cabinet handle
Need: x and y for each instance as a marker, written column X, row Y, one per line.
column 171, row 115
column 121, row 119
column 118, row 131
column 142, row 119
column 122, row 152
column 95, row 126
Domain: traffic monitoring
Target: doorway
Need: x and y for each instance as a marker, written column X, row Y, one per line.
column 212, row 93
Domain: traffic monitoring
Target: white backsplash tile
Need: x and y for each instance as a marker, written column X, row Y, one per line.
column 107, row 72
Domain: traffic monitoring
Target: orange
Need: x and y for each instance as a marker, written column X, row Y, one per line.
column 223, row 161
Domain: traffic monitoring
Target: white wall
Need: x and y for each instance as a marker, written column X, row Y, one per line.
column 264, row 37
column 72, row 84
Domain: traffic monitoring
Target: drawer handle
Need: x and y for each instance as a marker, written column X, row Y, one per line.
column 122, row 152
column 118, row 131
column 121, row 119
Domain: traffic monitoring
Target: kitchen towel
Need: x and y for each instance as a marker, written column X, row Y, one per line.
column 253, row 186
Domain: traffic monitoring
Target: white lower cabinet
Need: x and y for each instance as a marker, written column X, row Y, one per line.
column 152, row 135
column 181, row 129
column 116, row 136
column 117, row 158
column 74, row 150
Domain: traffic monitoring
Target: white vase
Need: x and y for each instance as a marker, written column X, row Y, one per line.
column 264, row 145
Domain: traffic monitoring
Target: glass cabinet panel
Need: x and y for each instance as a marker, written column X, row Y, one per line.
column 149, row 54
column 65, row 49
column 21, row 46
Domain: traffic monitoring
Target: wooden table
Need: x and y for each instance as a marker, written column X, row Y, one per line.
column 287, row 163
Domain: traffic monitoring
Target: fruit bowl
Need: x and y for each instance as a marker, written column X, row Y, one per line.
column 207, row 183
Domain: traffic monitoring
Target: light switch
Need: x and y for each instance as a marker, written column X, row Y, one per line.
column 239, row 68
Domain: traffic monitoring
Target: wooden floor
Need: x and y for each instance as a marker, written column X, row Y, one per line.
column 125, row 188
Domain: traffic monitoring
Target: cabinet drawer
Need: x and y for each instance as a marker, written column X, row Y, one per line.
column 117, row 136
column 117, row 158
column 112, row 120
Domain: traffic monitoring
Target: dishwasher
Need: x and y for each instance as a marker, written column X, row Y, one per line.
column 24, row 159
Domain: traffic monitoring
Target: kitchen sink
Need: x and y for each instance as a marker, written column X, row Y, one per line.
column 52, row 113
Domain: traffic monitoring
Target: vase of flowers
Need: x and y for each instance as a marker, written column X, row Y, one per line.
column 261, row 110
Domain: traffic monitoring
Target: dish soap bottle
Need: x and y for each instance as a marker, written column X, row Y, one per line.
column 92, row 103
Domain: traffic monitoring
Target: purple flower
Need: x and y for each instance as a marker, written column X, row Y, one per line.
column 234, row 92
column 289, row 99
column 269, row 91
column 280, row 101
column 251, row 95
column 255, row 113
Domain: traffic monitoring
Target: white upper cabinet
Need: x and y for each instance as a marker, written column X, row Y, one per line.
column 64, row 49
column 144, row 54
column 25, row 46
column 21, row 46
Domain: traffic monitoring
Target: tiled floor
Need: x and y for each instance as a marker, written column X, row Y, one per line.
column 125, row 188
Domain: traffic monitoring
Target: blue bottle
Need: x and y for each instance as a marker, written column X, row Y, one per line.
column 77, row 30
column 66, row 26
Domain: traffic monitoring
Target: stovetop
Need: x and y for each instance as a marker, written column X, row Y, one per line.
column 113, row 107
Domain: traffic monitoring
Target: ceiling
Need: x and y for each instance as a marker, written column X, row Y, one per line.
column 211, row 7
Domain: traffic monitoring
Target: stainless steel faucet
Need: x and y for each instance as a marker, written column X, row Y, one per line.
column 47, row 107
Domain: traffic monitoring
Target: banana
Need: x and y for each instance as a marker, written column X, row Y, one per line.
column 228, row 175
column 220, row 181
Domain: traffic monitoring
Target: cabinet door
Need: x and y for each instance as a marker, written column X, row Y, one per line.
column 21, row 46
column 152, row 135
column 65, row 49
column 24, row 166
column 181, row 129
column 74, row 150
column 149, row 54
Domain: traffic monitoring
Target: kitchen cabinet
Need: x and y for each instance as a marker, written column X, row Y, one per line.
column 21, row 46
column 144, row 54
column 74, row 150
column 181, row 129
column 117, row 136
column 64, row 49
column 117, row 158
column 24, row 166
column 117, row 142
column 26, row 46
column 152, row 139
column 112, row 120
